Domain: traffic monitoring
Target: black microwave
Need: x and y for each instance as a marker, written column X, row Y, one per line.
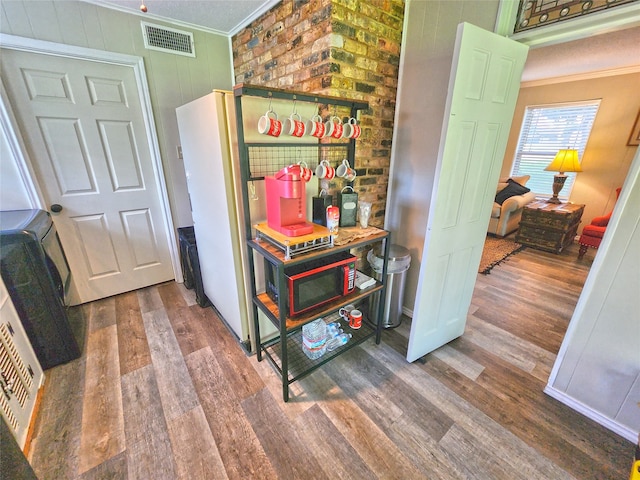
column 313, row 283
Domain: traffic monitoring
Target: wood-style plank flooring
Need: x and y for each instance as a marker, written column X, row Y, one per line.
column 164, row 391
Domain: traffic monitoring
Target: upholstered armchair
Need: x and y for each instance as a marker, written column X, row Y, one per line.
column 592, row 234
column 511, row 197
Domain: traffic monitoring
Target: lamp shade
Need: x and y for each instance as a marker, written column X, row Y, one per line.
column 565, row 161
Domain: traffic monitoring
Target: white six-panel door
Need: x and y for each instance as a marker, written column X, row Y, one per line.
column 483, row 89
column 86, row 139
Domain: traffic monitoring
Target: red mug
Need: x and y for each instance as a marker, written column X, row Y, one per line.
column 355, row 319
column 325, row 170
column 351, row 129
column 315, row 127
column 294, row 125
column 269, row 124
column 333, row 128
column 305, row 171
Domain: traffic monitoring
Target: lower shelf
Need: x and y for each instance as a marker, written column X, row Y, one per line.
column 298, row 364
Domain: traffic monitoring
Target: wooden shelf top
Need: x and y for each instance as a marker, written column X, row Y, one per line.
column 347, row 238
column 322, row 311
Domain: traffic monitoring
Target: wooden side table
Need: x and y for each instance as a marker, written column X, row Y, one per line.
column 549, row 226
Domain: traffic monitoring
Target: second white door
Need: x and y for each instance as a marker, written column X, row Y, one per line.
column 483, row 89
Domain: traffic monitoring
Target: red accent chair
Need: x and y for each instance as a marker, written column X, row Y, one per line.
column 592, row 234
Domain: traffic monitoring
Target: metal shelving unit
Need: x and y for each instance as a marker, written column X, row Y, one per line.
column 262, row 159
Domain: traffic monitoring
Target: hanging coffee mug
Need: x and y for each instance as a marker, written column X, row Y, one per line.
column 321, row 170
column 294, row 125
column 325, row 170
column 269, row 124
column 305, row 171
column 345, row 171
column 315, row 127
column 333, row 128
column 351, row 129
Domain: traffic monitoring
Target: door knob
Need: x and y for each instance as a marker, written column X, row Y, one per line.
column 55, row 208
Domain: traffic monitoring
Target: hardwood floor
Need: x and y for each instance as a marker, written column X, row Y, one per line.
column 163, row 391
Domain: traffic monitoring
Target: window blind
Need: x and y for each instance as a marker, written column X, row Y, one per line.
column 545, row 130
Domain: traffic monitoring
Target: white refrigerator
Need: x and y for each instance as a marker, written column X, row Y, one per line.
column 208, row 139
column 209, row 142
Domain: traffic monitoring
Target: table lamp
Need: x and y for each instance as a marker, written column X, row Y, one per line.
column 564, row 161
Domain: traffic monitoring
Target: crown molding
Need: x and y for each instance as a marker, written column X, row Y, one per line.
column 612, row 72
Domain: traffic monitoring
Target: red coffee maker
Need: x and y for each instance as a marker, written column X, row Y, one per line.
column 287, row 202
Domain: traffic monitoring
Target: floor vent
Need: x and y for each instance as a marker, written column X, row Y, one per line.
column 168, row 40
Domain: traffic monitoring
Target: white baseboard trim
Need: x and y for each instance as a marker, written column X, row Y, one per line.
column 407, row 311
column 594, row 415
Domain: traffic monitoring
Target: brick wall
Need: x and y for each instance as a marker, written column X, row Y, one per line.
column 342, row 48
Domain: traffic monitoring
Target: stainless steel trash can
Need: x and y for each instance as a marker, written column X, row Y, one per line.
column 399, row 262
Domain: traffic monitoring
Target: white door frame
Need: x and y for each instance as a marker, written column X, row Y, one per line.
column 89, row 54
column 594, row 299
column 15, row 143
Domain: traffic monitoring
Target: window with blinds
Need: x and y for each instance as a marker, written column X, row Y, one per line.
column 545, row 130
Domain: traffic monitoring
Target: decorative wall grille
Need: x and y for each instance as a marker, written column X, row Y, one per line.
column 13, row 369
column 17, row 378
column 168, row 40
column 7, row 412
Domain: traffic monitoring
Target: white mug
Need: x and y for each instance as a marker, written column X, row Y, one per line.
column 345, row 171
column 346, row 310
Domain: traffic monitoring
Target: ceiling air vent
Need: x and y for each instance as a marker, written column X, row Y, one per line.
column 168, row 40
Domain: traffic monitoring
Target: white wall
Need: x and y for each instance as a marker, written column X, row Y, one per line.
column 597, row 370
column 427, row 52
column 173, row 79
column 564, row 62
